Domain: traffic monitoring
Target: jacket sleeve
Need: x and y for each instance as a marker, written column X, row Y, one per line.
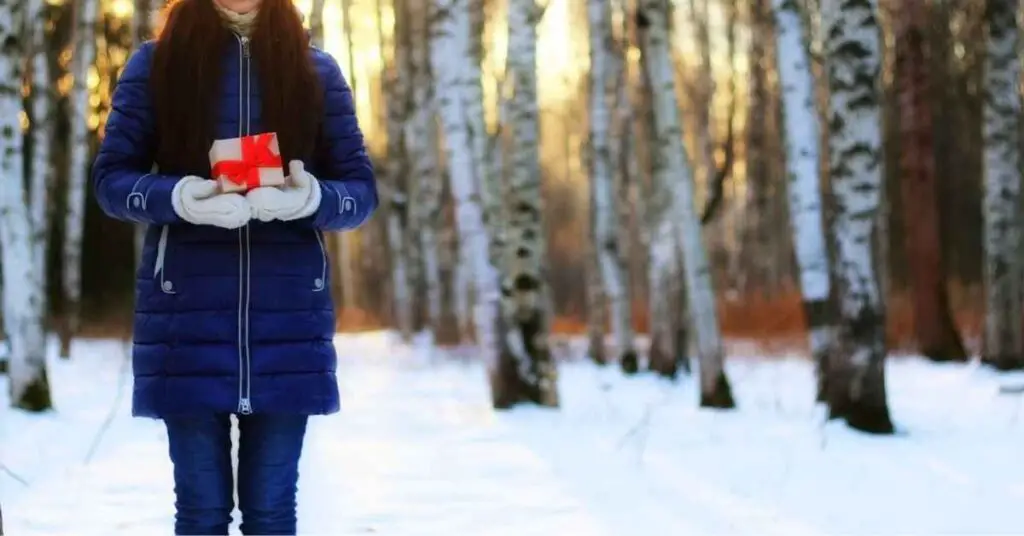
column 342, row 165
column 123, row 180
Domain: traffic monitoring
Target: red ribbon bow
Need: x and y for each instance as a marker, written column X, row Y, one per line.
column 256, row 154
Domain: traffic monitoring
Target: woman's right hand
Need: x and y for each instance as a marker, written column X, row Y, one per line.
column 196, row 200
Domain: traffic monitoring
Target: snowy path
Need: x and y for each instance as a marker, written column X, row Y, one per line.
column 416, row 450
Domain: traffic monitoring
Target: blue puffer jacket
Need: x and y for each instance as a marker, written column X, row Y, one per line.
column 239, row 320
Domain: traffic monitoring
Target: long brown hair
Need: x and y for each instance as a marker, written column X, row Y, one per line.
column 186, row 81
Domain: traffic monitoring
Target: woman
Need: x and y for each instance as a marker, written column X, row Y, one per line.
column 233, row 303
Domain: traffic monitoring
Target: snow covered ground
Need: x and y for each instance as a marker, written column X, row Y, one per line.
column 416, row 450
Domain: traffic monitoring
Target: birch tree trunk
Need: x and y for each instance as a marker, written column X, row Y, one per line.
column 316, row 23
column 937, row 337
column 803, row 156
column 605, row 220
column 450, row 29
column 396, row 170
column 526, row 303
column 657, row 233
column 856, row 383
column 1002, row 346
column 422, row 148
column 595, row 303
column 705, row 98
column 41, row 136
column 23, row 283
column 86, row 15
column 675, row 178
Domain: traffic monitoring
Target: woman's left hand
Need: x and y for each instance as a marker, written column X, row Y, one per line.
column 298, row 200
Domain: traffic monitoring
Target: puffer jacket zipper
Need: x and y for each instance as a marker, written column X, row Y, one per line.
column 244, row 242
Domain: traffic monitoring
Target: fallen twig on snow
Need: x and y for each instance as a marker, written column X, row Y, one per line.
column 13, row 475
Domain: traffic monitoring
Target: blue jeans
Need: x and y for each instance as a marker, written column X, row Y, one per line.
column 268, row 472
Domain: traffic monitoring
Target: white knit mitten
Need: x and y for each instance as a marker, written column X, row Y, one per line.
column 298, row 200
column 196, row 201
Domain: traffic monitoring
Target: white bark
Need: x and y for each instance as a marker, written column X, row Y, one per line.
column 856, row 382
column 674, row 176
column 86, row 15
column 316, row 23
column 604, row 201
column 23, row 283
column 450, row 35
column 1002, row 218
column 802, row 162
column 526, row 304
column 41, row 136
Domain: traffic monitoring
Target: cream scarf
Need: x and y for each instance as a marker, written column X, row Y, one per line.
column 241, row 23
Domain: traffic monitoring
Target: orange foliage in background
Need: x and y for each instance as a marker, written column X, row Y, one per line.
column 775, row 321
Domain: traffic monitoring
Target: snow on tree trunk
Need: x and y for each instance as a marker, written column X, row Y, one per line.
column 23, row 283
column 396, row 171
column 937, row 337
column 675, row 179
column 86, row 14
column 805, row 199
column 422, row 147
column 450, row 34
column 1002, row 346
column 605, row 221
column 525, row 299
column 316, row 23
column 856, row 381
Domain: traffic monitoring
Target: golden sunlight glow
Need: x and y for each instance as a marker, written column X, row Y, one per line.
column 121, row 8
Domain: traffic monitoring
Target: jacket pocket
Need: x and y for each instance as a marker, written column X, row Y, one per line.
column 320, row 281
column 160, row 264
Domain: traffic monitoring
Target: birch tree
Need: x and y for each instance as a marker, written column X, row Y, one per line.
column 422, row 148
column 936, row 335
column 1002, row 345
column 450, row 29
column 396, row 171
column 674, row 179
column 604, row 201
column 856, row 381
column 41, row 134
column 316, row 23
column 84, row 55
column 805, row 201
column 657, row 233
column 23, row 283
column 525, row 299
column 704, row 95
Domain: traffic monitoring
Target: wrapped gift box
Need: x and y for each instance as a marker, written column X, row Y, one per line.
column 241, row 164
